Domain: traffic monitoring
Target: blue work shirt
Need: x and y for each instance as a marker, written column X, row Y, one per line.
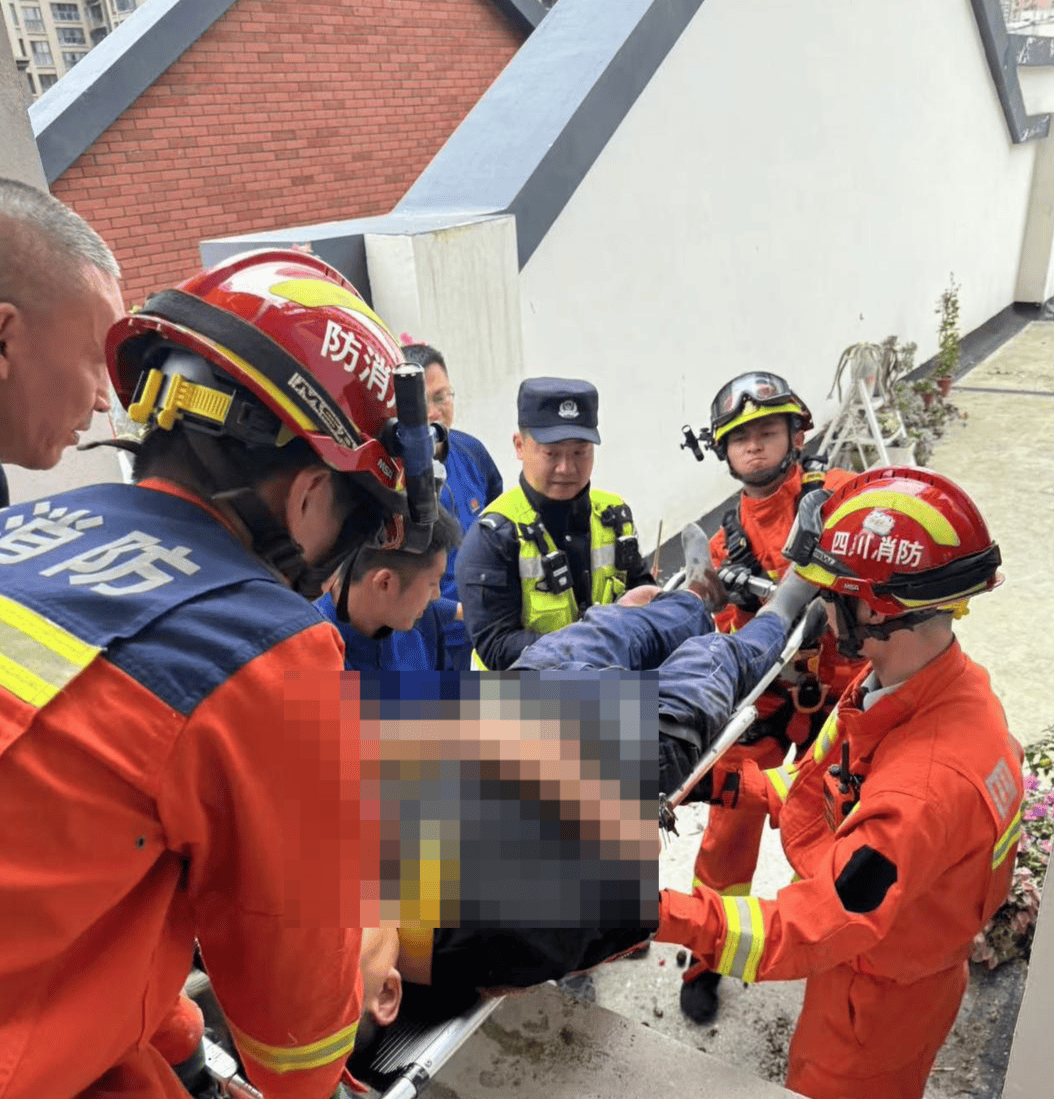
column 416, row 650
column 472, row 482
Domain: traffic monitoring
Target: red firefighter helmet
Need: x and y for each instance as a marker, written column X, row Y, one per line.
column 281, row 328
column 904, row 540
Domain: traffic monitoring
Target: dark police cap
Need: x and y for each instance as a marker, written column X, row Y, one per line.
column 555, row 409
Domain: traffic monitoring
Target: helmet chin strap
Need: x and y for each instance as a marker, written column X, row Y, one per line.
column 852, row 634
column 271, row 539
column 768, row 476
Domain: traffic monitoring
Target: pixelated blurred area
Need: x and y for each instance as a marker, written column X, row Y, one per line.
column 514, row 800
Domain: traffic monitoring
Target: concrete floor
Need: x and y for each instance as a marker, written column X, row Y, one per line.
column 1001, row 454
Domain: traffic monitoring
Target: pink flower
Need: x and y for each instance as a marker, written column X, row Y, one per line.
column 1031, row 782
column 1045, row 846
column 1036, row 812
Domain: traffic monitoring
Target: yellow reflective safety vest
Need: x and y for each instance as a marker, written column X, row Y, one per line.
column 545, row 611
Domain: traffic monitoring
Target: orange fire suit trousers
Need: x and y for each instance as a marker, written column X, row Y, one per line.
column 846, row 1010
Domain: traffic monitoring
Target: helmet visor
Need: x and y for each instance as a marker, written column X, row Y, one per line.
column 748, row 397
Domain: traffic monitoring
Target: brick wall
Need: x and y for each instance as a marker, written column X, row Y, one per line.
column 283, row 113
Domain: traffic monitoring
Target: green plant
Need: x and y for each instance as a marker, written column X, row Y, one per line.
column 948, row 334
column 918, row 405
column 1008, row 934
column 925, row 413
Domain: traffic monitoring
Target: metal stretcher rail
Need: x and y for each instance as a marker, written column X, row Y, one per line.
column 414, row 1052
column 410, row 1053
column 745, row 713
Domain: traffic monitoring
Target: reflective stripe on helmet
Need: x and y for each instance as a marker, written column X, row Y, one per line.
column 816, row 575
column 754, row 411
column 925, row 514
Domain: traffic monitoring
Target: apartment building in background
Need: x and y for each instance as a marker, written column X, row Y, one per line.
column 49, row 38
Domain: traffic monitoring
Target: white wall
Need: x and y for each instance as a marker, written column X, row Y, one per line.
column 457, row 288
column 797, row 177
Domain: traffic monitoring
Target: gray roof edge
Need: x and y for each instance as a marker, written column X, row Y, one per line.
column 1000, row 52
column 525, row 15
column 70, row 116
column 392, row 224
column 538, row 130
column 342, row 244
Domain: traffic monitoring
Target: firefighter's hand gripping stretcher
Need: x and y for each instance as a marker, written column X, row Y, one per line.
column 809, row 623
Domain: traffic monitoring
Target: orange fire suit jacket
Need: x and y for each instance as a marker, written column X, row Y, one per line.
column 898, row 891
column 766, row 523
column 169, row 719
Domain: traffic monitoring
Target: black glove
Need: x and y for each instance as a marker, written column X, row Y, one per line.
column 735, row 578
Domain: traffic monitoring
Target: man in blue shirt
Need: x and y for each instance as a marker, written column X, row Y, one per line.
column 389, row 620
column 472, row 482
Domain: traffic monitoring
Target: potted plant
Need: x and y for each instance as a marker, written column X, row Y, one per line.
column 948, row 336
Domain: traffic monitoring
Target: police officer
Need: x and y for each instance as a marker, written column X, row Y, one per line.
column 551, row 547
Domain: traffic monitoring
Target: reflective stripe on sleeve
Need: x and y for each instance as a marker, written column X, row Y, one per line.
column 1006, row 841
column 37, row 657
column 827, row 737
column 281, row 1059
column 744, row 940
column 781, row 779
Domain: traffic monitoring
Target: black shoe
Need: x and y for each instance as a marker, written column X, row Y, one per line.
column 699, row 999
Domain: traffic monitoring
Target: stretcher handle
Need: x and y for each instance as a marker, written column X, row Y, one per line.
column 761, row 586
column 745, row 714
column 222, row 1067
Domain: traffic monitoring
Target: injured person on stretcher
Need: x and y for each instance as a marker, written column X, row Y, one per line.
column 701, row 677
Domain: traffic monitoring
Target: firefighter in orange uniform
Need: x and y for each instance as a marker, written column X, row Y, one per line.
column 902, row 820
column 758, row 425
column 170, row 703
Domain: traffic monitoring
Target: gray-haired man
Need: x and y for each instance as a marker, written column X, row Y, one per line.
column 59, row 295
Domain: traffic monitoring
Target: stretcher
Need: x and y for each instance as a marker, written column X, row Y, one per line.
column 405, row 1059
column 810, row 624
column 417, row 1045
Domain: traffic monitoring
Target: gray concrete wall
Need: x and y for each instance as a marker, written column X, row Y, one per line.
column 1028, row 1075
column 19, row 158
